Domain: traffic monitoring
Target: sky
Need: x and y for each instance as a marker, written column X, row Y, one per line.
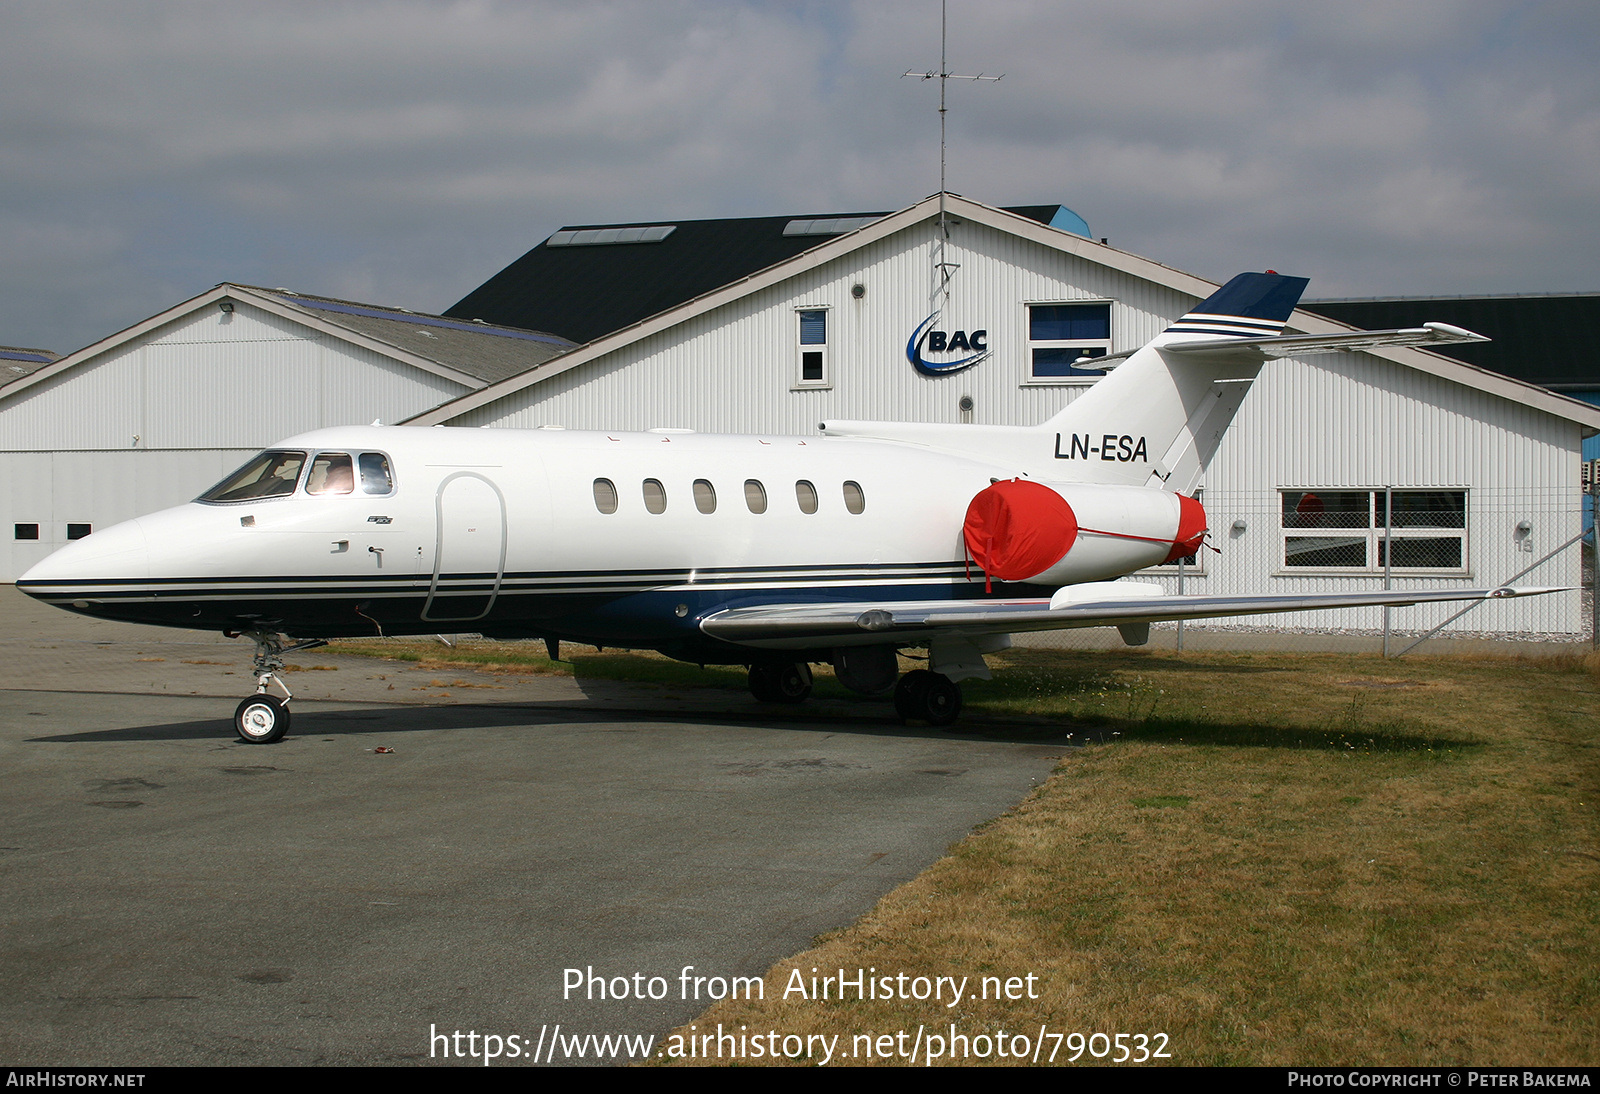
column 401, row 153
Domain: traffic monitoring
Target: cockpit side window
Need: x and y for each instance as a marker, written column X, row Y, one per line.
column 269, row 475
column 375, row 475
column 331, row 473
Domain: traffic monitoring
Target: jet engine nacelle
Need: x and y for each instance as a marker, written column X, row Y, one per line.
column 1064, row 533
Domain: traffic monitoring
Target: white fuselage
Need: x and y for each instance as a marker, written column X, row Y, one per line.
column 619, row 538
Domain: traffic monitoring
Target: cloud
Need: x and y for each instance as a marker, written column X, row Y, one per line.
column 403, row 152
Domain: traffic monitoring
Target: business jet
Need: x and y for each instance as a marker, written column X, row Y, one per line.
column 771, row 552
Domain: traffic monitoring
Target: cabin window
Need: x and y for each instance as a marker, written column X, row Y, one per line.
column 812, row 362
column 655, row 496
column 79, row 531
column 331, row 473
column 1354, row 530
column 26, row 531
column 605, row 496
column 854, row 499
column 705, row 496
column 1059, row 334
column 755, row 496
column 269, row 475
column 375, row 475
column 806, row 495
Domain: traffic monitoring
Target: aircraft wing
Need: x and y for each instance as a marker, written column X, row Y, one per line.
column 1289, row 345
column 911, row 623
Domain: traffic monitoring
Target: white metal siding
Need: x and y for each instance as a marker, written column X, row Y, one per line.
column 51, row 489
column 153, row 423
column 211, row 380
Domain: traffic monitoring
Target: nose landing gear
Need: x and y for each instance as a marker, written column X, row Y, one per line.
column 263, row 719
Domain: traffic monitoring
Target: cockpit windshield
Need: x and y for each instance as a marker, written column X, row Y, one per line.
column 269, row 475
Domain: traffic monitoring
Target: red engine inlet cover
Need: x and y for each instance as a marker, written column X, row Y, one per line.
column 1016, row 529
column 1191, row 528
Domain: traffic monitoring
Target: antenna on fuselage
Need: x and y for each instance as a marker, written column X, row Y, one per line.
column 944, row 75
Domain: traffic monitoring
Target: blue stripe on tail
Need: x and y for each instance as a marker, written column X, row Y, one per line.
column 1268, row 296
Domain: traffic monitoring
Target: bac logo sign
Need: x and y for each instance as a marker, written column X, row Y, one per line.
column 926, row 341
column 1108, row 446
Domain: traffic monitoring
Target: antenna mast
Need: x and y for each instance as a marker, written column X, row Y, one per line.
column 943, row 76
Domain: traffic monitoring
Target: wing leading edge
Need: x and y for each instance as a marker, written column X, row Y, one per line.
column 801, row 626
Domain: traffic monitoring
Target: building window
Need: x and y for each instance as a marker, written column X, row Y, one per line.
column 26, row 531
column 812, row 362
column 79, row 531
column 1059, row 334
column 1352, row 530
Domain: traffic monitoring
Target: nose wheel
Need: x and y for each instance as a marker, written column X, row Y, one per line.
column 264, row 718
column 261, row 719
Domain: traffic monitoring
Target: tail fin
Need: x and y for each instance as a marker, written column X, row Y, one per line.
column 1157, row 418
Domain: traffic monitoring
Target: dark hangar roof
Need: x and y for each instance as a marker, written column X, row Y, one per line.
column 588, row 280
column 1544, row 340
column 16, row 362
column 489, row 352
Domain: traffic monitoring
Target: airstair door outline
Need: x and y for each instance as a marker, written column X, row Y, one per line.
column 469, row 559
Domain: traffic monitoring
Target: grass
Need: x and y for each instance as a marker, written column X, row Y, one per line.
column 1271, row 859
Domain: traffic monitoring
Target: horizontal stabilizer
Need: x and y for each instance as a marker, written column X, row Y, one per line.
column 914, row 623
column 1292, row 345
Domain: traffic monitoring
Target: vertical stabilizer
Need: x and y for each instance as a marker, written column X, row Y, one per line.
column 1157, row 418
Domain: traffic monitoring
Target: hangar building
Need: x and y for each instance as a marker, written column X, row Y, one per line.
column 151, row 416
column 1483, row 468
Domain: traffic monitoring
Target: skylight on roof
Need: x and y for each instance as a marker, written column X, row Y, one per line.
column 594, row 237
column 830, row 227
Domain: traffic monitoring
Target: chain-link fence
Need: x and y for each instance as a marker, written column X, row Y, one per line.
column 1331, row 540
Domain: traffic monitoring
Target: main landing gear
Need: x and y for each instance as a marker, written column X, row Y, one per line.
column 919, row 696
column 926, row 696
column 263, row 719
column 780, row 682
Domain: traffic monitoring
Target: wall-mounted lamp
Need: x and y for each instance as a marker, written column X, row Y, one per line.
column 225, row 307
column 1239, row 526
column 858, row 290
column 1524, row 527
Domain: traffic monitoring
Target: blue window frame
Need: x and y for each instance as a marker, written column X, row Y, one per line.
column 1059, row 334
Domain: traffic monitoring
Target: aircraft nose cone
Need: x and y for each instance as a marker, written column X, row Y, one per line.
column 90, row 566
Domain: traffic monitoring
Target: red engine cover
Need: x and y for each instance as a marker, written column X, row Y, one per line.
column 1191, row 528
column 1017, row 528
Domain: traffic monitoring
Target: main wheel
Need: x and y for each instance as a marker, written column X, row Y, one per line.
column 763, row 687
column 794, row 682
column 908, row 695
column 780, row 683
column 941, row 700
column 261, row 720
column 923, row 696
